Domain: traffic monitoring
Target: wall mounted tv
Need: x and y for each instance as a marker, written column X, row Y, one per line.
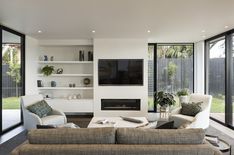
column 120, row 72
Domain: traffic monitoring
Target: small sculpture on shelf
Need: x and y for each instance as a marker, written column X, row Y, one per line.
column 59, row 71
column 86, row 81
column 52, row 58
column 45, row 58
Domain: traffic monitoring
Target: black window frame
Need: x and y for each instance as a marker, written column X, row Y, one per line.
column 22, row 36
column 228, row 75
column 155, row 45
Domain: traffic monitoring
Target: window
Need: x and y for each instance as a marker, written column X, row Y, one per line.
column 173, row 68
column 12, row 78
column 219, row 76
column 151, row 89
column 216, row 77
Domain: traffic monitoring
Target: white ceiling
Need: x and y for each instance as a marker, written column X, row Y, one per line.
column 168, row 20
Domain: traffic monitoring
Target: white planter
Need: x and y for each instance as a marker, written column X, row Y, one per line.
column 183, row 99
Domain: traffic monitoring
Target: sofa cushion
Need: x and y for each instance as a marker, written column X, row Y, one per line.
column 191, row 109
column 72, row 136
column 40, row 108
column 157, row 136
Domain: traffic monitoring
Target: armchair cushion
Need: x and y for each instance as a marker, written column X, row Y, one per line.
column 40, row 108
column 191, row 109
column 53, row 119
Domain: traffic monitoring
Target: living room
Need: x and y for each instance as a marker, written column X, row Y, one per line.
column 132, row 71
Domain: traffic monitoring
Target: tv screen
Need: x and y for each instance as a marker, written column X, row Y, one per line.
column 120, row 71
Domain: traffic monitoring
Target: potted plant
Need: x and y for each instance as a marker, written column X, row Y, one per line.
column 165, row 100
column 47, row 70
column 183, row 95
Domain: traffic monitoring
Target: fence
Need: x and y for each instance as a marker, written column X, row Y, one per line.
column 183, row 77
column 8, row 84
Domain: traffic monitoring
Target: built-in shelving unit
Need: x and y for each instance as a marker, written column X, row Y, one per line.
column 66, row 56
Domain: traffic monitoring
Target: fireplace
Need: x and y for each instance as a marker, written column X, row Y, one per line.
column 121, row 104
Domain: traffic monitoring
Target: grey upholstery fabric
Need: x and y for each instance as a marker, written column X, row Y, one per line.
column 72, row 136
column 159, row 136
column 100, row 141
column 114, row 149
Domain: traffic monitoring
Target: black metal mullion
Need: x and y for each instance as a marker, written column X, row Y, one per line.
column 228, row 79
column 1, row 121
column 155, row 72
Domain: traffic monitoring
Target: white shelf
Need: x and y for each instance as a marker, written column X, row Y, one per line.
column 64, row 75
column 65, row 88
column 65, row 62
column 75, row 100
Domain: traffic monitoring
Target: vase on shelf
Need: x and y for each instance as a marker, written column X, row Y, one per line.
column 81, row 55
column 53, row 84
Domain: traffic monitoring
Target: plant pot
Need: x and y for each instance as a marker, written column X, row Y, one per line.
column 183, row 99
column 164, row 112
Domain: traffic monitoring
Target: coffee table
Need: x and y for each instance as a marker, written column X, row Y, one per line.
column 117, row 122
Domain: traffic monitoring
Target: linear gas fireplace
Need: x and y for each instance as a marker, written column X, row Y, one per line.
column 121, row 104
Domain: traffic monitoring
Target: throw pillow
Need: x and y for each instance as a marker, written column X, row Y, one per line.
column 191, row 109
column 166, row 125
column 40, row 108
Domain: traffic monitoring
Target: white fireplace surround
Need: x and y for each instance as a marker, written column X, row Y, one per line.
column 120, row 49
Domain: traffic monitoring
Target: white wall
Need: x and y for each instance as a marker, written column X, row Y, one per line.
column 120, row 49
column 31, row 61
column 199, row 67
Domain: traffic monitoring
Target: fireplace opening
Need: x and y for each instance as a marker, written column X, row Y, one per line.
column 121, row 104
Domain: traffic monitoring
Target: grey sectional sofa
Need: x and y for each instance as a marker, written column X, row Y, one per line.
column 110, row 141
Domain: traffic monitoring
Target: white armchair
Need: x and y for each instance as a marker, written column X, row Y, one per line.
column 201, row 120
column 31, row 119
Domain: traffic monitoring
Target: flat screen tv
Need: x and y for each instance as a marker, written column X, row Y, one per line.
column 120, row 72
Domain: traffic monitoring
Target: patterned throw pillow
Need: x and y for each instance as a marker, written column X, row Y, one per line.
column 191, row 109
column 40, row 108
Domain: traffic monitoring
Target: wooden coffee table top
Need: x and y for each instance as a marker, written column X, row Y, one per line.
column 116, row 122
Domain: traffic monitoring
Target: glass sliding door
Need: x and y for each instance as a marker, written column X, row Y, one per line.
column 12, row 84
column 216, row 77
column 175, row 68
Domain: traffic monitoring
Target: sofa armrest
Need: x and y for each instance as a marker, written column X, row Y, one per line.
column 176, row 110
column 201, row 120
column 58, row 112
column 216, row 151
column 30, row 119
column 16, row 151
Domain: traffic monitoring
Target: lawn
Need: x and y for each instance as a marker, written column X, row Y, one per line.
column 11, row 103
